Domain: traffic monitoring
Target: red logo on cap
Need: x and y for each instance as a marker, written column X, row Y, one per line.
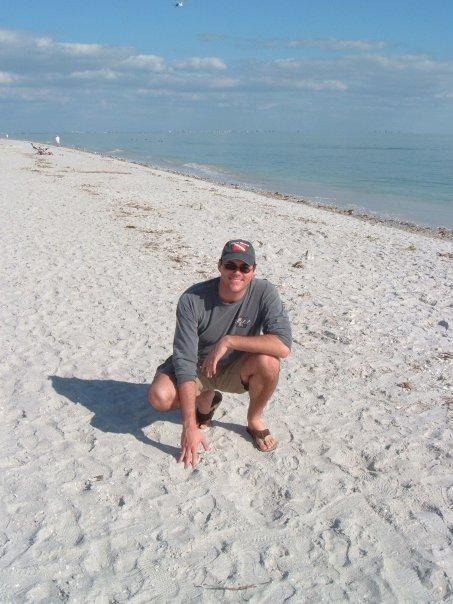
column 239, row 246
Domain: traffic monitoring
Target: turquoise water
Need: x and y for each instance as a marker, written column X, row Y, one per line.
column 404, row 176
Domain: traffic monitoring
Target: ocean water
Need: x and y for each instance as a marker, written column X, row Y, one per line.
column 392, row 175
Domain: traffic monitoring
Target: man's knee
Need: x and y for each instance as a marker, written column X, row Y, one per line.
column 269, row 365
column 264, row 365
column 160, row 397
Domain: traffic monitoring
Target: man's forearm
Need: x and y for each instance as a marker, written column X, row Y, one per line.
column 264, row 344
column 187, row 393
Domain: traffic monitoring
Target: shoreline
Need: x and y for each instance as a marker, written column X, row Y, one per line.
column 444, row 233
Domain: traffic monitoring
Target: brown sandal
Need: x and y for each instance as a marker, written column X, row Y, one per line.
column 260, row 435
column 205, row 418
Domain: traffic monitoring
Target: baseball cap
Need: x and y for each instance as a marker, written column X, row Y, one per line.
column 238, row 249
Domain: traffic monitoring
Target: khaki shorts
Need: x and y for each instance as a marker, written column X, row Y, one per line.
column 227, row 378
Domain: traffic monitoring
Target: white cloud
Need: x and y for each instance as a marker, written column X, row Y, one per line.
column 330, row 44
column 80, row 50
column 42, row 52
column 99, row 74
column 31, row 95
column 322, row 85
column 404, row 62
column 168, row 93
column 148, row 62
column 8, row 78
column 302, row 84
column 368, row 71
column 335, row 44
column 202, row 64
column 384, row 76
column 43, row 43
column 8, row 37
column 287, row 64
column 223, row 83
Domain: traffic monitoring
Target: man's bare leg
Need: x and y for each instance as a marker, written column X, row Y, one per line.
column 163, row 395
column 260, row 372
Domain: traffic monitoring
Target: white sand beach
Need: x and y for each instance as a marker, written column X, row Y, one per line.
column 356, row 502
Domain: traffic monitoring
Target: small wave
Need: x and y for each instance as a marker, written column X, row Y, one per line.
column 206, row 169
column 116, row 151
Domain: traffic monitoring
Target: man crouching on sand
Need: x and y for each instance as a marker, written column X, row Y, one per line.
column 218, row 348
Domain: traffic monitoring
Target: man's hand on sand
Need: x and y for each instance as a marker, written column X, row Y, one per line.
column 209, row 366
column 190, row 440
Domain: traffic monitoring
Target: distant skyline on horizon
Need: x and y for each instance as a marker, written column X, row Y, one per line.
column 51, row 132
column 206, row 66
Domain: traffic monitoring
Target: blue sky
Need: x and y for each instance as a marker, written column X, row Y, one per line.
column 345, row 65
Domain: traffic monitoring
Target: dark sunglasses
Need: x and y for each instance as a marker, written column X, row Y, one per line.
column 231, row 266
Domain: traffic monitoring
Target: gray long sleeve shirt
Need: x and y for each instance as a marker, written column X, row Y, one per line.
column 202, row 319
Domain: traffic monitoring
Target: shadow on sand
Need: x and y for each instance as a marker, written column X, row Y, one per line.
column 118, row 407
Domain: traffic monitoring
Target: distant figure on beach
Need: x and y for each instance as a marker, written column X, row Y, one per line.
column 218, row 347
column 41, row 150
column 57, row 140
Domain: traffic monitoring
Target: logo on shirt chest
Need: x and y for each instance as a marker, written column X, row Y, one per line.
column 242, row 322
